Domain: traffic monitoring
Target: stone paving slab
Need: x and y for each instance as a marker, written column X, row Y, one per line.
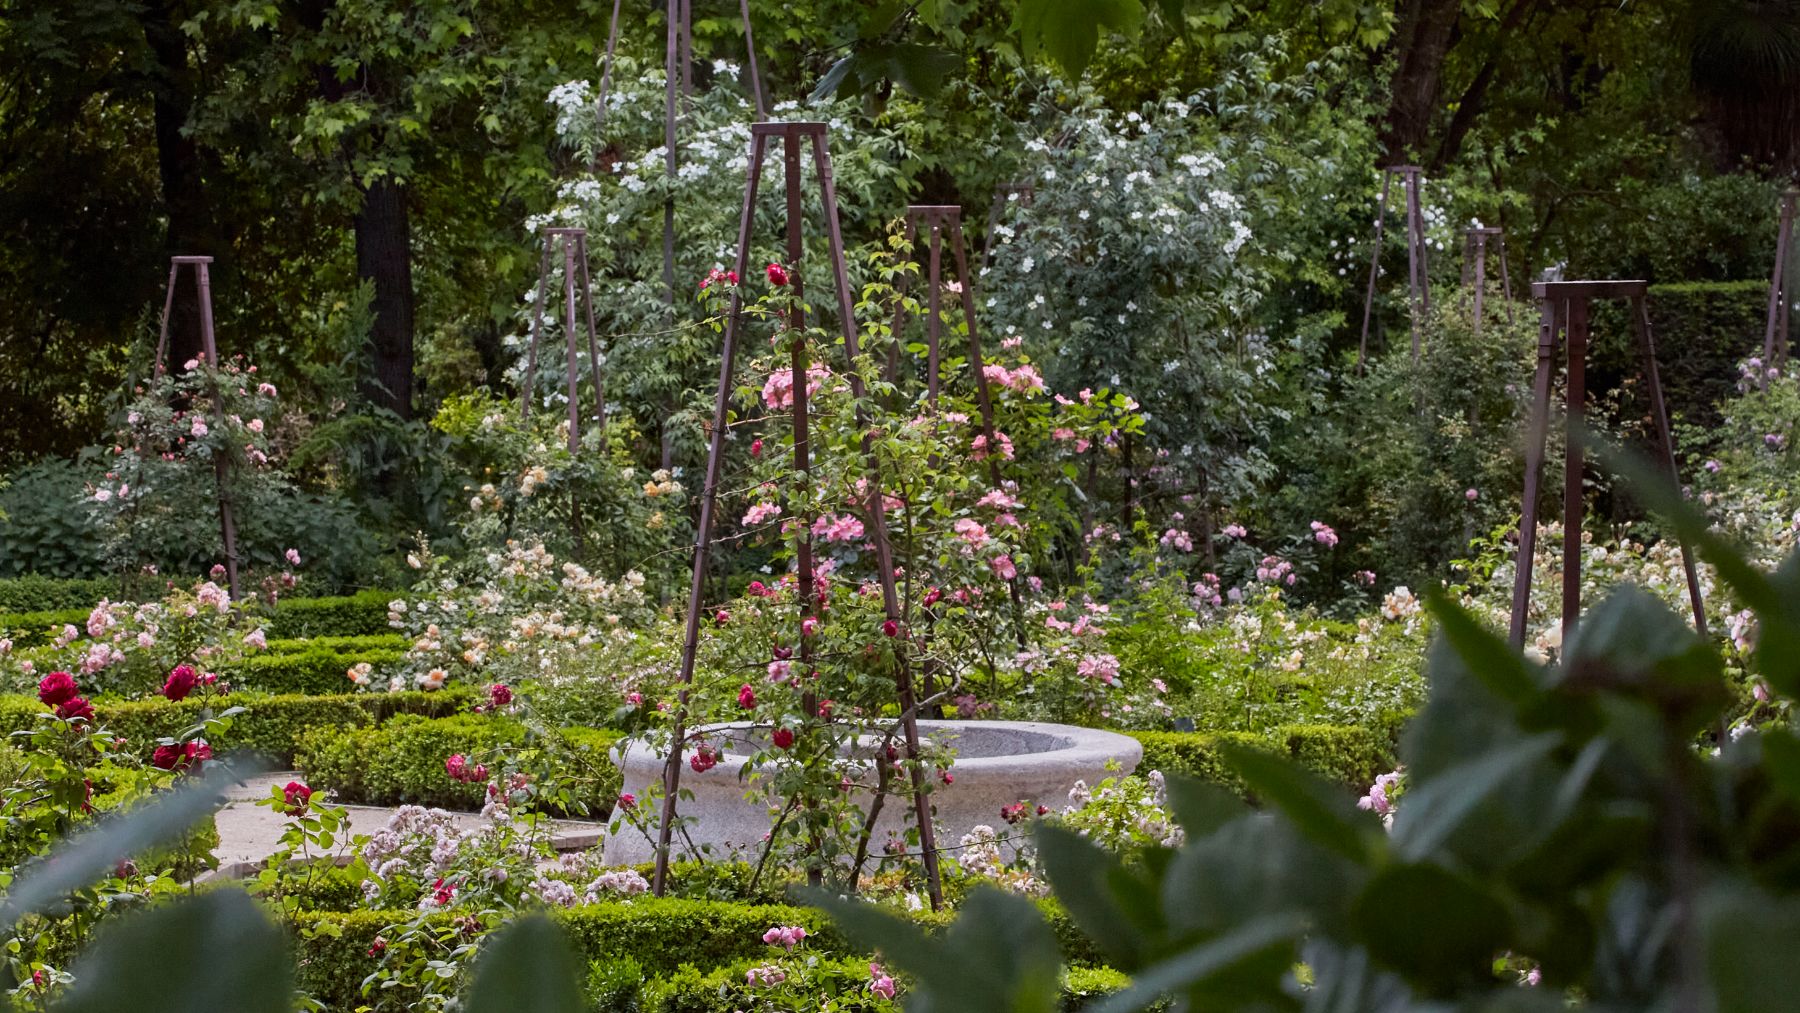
column 249, row 833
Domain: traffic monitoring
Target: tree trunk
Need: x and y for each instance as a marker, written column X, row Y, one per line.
column 384, row 257
column 1424, row 39
column 178, row 164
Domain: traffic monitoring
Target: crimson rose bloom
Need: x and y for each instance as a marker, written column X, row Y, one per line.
column 180, row 682
column 500, row 694
column 57, row 688
column 297, row 796
column 76, row 707
column 782, row 737
column 166, row 757
column 777, row 274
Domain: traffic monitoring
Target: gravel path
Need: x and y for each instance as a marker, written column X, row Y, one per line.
column 249, row 833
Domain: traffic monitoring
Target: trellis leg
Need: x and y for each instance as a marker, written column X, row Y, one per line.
column 1640, row 319
column 162, row 341
column 1505, row 279
column 612, row 45
column 1362, row 346
column 1778, row 295
column 687, row 48
column 934, row 320
column 1537, row 432
column 806, row 591
column 221, row 462
column 756, row 91
column 671, row 79
column 1418, row 299
column 911, row 235
column 984, row 399
column 573, row 380
column 703, row 531
column 878, row 524
column 537, row 325
column 587, row 300
column 1575, row 380
column 1480, row 278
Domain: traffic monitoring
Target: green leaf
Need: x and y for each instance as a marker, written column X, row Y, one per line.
column 236, row 959
column 94, row 854
column 1321, row 811
column 1438, row 928
column 1192, row 967
column 1434, row 810
column 1202, row 807
column 1749, row 952
column 1079, row 872
column 998, row 955
column 527, row 967
column 1068, row 31
column 1488, row 657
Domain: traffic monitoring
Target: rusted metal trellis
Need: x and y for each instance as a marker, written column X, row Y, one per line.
column 1474, row 271
column 1775, row 335
column 792, row 136
column 941, row 223
column 209, row 347
column 1563, row 307
column 678, row 68
column 1418, row 286
column 575, row 288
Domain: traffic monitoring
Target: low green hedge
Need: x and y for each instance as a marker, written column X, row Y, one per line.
column 660, row 934
column 37, row 593
column 1350, row 755
column 363, row 614
column 271, row 725
column 317, row 670
column 836, row 982
column 402, row 760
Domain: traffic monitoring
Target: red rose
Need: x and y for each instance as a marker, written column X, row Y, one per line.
column 500, row 694
column 721, row 617
column 777, row 274
column 180, row 682
column 457, row 767
column 704, row 758
column 377, row 946
column 76, row 707
column 783, row 738
column 480, row 773
column 197, row 753
column 746, row 697
column 57, row 688
column 890, row 629
column 166, row 757
column 946, row 777
column 756, row 447
column 297, row 796
column 932, row 597
column 627, row 801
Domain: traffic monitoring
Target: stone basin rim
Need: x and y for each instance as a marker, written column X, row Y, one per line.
column 1076, row 744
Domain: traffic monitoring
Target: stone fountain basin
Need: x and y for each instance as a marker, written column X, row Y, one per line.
column 997, row 764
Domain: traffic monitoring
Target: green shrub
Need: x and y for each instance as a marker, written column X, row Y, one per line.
column 402, row 761
column 270, row 725
column 1702, row 330
column 1348, row 754
column 35, row 592
column 317, row 670
column 661, row 935
column 359, row 615
column 363, row 614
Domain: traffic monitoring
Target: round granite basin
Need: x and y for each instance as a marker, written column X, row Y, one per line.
column 998, row 763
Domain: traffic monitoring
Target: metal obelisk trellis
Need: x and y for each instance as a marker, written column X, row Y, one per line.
column 1418, row 286
column 1005, row 194
column 1474, row 270
column 678, row 69
column 941, row 222
column 792, row 135
column 209, row 347
column 575, row 288
column 1564, row 320
column 1775, row 335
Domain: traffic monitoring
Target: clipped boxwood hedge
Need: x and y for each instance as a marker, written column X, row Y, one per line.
column 362, row 614
column 660, row 935
column 1702, row 331
column 1348, row 754
column 271, row 725
column 402, row 761
column 307, row 669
